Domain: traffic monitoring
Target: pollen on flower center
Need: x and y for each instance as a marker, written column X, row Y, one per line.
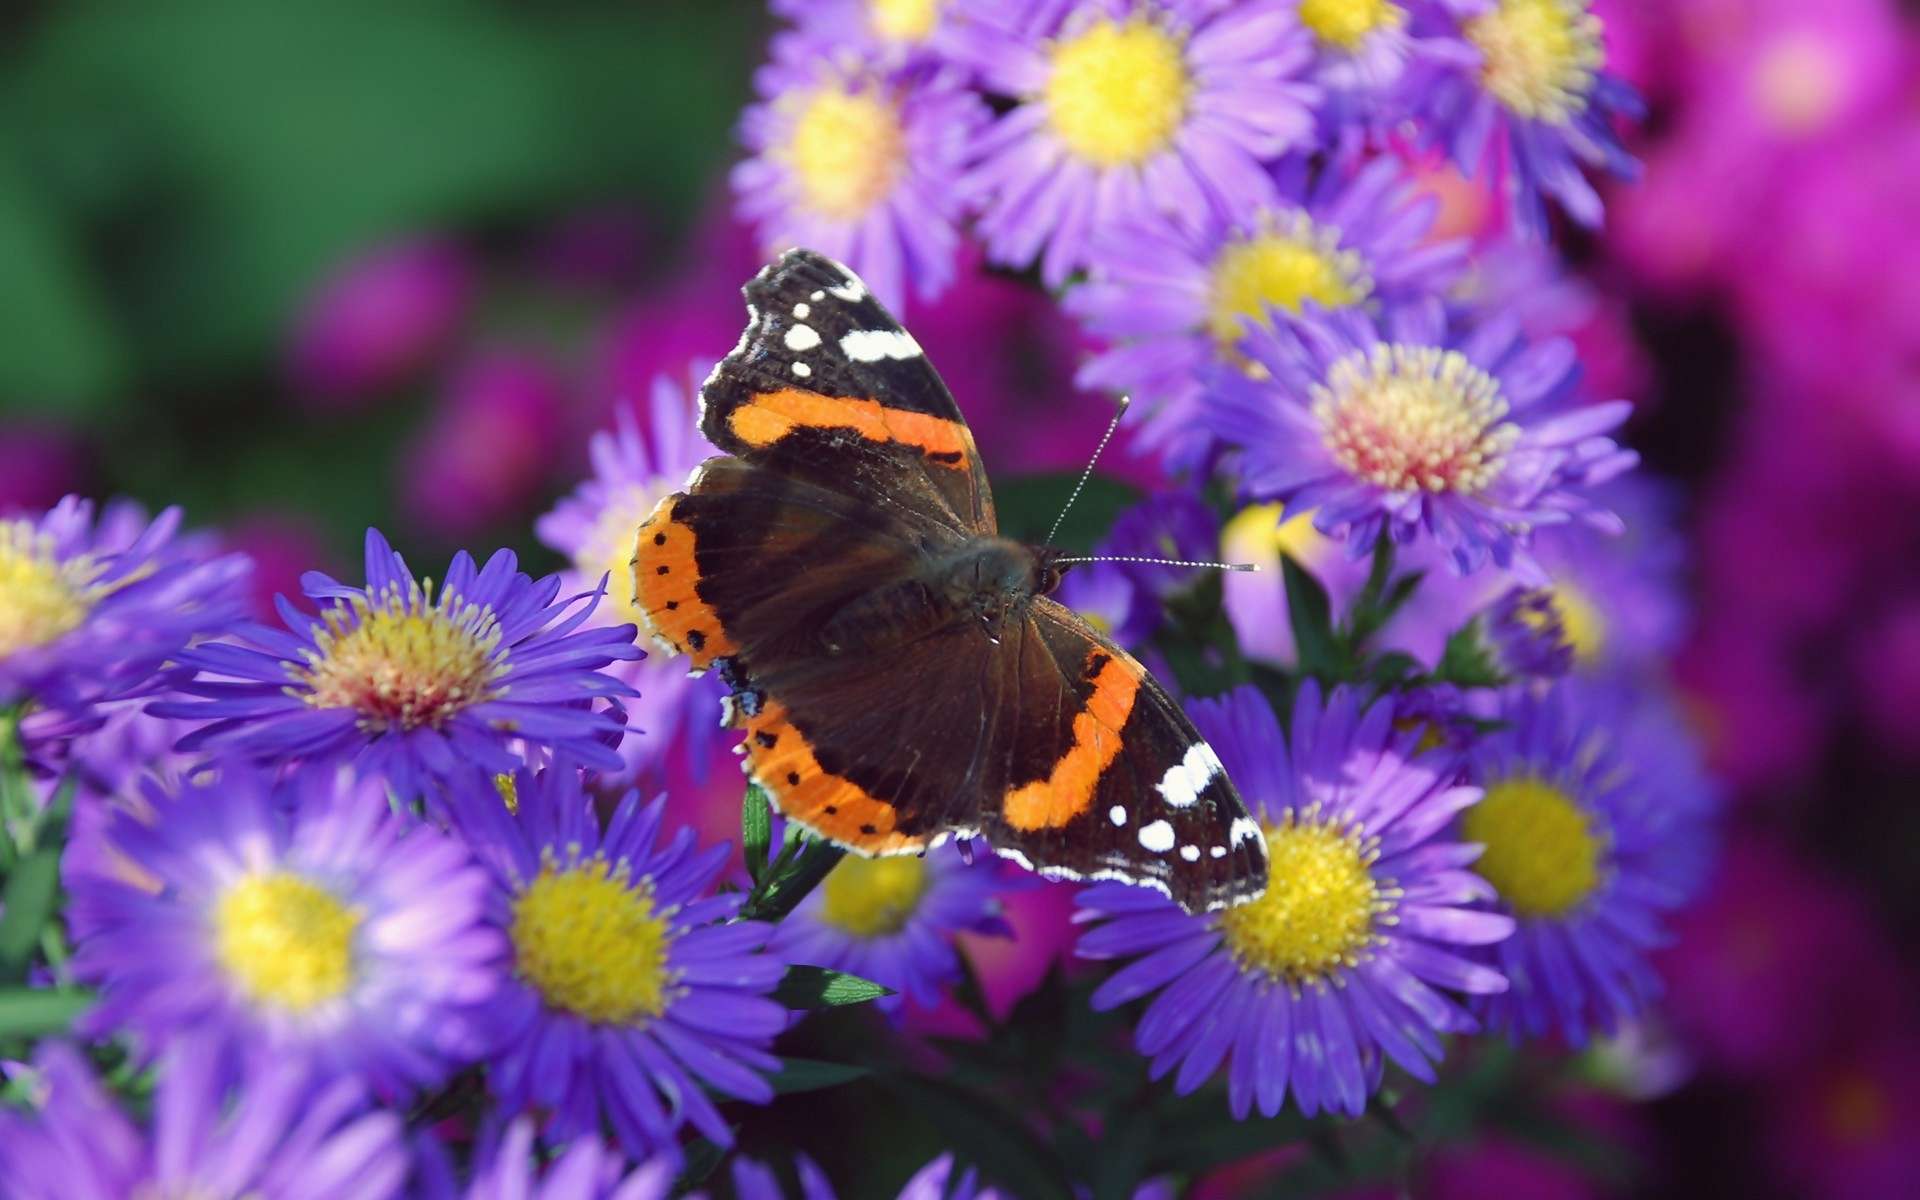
column 1291, row 261
column 287, row 941
column 1580, row 621
column 404, row 662
column 903, row 20
column 1117, row 92
column 873, row 897
column 846, row 150
column 1542, row 850
column 1540, row 56
column 1319, row 910
column 1415, row 418
column 1346, row 23
column 589, row 941
column 41, row 598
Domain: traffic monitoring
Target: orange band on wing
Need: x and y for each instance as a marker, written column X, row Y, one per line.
column 1052, row 802
column 665, row 576
column 770, row 416
column 781, row 761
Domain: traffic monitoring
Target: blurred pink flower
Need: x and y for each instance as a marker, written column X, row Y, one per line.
column 380, row 318
column 39, row 463
column 283, row 546
column 489, row 447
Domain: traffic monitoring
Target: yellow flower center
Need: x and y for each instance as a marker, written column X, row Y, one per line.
column 846, row 151
column 1346, row 23
column 1262, row 533
column 1117, row 92
column 508, row 790
column 903, row 20
column 1799, row 82
column 285, row 940
column 873, row 897
column 608, row 550
column 41, row 598
column 1415, row 418
column 1318, row 911
column 1540, row 56
column 1293, row 260
column 408, row 660
column 589, row 941
column 1542, row 850
column 1580, row 620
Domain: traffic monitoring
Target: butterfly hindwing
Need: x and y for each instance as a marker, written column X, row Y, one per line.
column 826, row 385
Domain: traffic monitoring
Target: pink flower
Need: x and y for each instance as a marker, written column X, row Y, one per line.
column 491, row 445
column 380, row 318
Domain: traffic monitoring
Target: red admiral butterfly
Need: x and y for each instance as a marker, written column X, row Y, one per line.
column 897, row 667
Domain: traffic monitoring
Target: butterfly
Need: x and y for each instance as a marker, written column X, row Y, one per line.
column 897, row 667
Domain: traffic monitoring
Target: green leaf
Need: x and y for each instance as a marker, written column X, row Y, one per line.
column 756, row 830
column 40, row 1012
column 1311, row 615
column 817, row 987
column 1027, row 505
column 28, row 899
column 1466, row 661
column 812, row 1075
column 987, row 1134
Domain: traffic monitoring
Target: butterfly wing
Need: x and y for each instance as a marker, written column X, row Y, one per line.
column 826, row 386
column 1137, row 794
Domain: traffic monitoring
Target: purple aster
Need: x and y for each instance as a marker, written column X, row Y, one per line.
column 1126, row 110
column 1536, row 106
column 634, row 465
column 93, row 610
column 1363, row 47
column 302, row 921
column 892, row 920
column 1582, row 839
column 1172, row 301
column 893, row 32
column 629, row 997
column 755, row 1180
column 1343, row 963
column 859, row 162
column 414, row 682
column 1526, row 634
column 1406, row 432
column 511, row 1167
column 270, row 1134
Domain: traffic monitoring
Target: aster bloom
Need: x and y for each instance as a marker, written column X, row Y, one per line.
column 1124, row 110
column 893, row 32
column 414, row 682
column 301, row 921
column 1362, row 48
column 627, row 998
column 634, row 465
column 892, row 920
column 1343, row 963
column 1405, row 432
column 93, row 610
column 1536, row 106
column 510, row 1168
column 272, row 1134
column 859, row 162
column 1525, row 631
column 1172, row 300
column 381, row 317
column 1581, row 845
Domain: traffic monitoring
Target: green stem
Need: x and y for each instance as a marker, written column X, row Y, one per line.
column 784, row 890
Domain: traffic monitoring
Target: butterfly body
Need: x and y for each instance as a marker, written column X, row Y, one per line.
column 898, row 667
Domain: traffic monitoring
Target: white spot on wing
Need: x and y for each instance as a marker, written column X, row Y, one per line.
column 802, row 337
column 1190, row 853
column 1218, row 851
column 818, row 296
column 1117, row 814
column 872, row 345
column 852, row 291
column 1245, row 829
column 802, row 370
column 1157, row 837
column 801, row 310
column 1185, row 780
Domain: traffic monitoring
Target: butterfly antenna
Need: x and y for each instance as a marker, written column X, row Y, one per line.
column 1158, row 562
column 1087, row 474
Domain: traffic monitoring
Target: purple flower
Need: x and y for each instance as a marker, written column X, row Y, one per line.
column 489, row 446
column 629, row 996
column 381, row 317
column 1126, row 110
column 860, row 163
column 635, row 465
column 270, row 1134
column 892, row 920
column 1362, row 48
column 1174, row 300
column 300, row 921
column 1536, row 106
column 1343, row 963
column 1406, row 432
column 1589, row 847
column 1526, row 634
column 413, row 683
column 510, row 1167
column 893, row 32
column 90, row 612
